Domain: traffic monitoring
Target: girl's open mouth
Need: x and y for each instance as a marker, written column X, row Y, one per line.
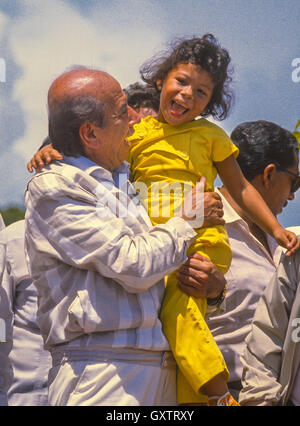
column 177, row 109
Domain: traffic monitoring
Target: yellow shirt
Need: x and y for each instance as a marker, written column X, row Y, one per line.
column 195, row 146
column 161, row 153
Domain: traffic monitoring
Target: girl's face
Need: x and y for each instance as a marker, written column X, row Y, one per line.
column 186, row 92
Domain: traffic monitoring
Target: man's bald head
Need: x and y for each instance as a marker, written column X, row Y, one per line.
column 78, row 82
column 78, row 96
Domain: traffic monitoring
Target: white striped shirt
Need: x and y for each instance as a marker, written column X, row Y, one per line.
column 2, row 224
column 99, row 276
column 5, row 324
column 22, row 354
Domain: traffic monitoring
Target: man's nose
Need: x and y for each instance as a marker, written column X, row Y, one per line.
column 291, row 197
column 133, row 116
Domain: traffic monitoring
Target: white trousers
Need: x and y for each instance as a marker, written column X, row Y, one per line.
column 129, row 381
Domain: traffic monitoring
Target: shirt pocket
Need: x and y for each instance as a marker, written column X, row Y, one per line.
column 166, row 155
column 82, row 316
column 75, row 316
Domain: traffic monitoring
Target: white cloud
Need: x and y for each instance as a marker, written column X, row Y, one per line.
column 52, row 36
column 3, row 29
column 3, row 23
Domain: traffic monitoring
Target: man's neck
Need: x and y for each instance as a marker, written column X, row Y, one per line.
column 235, row 206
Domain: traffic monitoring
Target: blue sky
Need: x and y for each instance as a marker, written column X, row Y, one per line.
column 39, row 39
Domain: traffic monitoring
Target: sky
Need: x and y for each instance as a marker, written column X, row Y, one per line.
column 40, row 39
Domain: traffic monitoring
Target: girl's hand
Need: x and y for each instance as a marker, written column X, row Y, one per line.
column 288, row 240
column 201, row 208
column 192, row 208
column 213, row 210
column 42, row 157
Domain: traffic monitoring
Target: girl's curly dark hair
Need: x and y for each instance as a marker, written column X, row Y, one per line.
column 206, row 52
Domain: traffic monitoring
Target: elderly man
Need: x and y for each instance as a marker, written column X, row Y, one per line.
column 99, row 271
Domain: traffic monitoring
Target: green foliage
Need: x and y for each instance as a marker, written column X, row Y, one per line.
column 12, row 214
column 297, row 133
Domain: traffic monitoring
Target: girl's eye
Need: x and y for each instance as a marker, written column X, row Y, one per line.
column 201, row 92
column 180, row 80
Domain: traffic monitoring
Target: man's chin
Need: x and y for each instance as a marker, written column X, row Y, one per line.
column 283, row 207
column 279, row 211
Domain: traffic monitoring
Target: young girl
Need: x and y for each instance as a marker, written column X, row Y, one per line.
column 176, row 148
column 193, row 80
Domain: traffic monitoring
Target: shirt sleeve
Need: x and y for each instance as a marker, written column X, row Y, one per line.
column 6, row 320
column 222, row 146
column 262, row 358
column 68, row 224
column 2, row 224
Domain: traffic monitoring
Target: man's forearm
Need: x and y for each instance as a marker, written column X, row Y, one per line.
column 77, row 232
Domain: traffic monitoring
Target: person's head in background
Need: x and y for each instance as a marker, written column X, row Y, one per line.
column 143, row 99
column 269, row 159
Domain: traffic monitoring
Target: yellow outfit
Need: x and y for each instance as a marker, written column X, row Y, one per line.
column 169, row 155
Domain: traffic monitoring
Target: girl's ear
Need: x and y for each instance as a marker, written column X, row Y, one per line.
column 159, row 85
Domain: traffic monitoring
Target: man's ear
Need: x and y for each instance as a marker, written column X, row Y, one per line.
column 268, row 175
column 87, row 135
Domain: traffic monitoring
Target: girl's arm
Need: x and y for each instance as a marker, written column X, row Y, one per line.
column 42, row 157
column 249, row 199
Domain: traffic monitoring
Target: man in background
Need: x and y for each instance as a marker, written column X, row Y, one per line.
column 24, row 364
column 268, row 157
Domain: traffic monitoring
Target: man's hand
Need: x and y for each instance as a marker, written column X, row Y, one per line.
column 199, row 277
column 43, row 156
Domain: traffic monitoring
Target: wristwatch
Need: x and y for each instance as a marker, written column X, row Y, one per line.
column 216, row 301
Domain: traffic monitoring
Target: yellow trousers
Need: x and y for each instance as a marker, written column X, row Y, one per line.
column 197, row 355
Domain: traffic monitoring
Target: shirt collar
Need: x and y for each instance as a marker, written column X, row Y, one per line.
column 230, row 215
column 98, row 172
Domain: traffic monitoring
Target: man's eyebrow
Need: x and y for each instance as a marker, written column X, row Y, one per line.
column 122, row 109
